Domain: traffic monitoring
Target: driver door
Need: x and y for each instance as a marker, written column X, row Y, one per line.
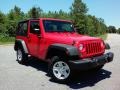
column 33, row 37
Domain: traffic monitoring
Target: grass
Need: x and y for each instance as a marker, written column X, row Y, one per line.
column 104, row 36
column 7, row 40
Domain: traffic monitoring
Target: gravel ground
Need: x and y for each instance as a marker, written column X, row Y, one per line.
column 33, row 76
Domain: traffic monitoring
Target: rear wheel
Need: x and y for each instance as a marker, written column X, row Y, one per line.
column 21, row 56
column 60, row 69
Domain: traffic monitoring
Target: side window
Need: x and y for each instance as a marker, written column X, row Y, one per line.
column 22, row 29
column 34, row 27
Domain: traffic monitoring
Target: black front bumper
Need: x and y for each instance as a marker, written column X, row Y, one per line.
column 89, row 63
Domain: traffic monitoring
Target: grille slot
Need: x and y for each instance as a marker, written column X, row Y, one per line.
column 93, row 48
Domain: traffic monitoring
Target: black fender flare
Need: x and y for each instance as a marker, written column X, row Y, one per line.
column 69, row 49
column 19, row 42
column 107, row 46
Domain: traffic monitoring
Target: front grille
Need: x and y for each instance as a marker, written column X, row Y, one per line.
column 93, row 48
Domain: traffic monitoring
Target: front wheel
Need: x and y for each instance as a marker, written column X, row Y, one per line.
column 21, row 56
column 60, row 70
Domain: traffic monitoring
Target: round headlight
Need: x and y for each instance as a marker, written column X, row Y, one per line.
column 81, row 47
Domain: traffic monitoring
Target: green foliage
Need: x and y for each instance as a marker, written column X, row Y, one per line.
column 2, row 23
column 78, row 15
column 95, row 26
column 59, row 15
column 103, row 36
column 112, row 29
column 118, row 31
column 2, row 18
column 84, row 23
column 5, row 38
column 13, row 17
column 35, row 12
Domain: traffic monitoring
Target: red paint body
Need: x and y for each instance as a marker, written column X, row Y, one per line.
column 38, row 45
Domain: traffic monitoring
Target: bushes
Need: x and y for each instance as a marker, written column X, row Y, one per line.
column 5, row 38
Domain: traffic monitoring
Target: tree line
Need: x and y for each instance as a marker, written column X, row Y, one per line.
column 112, row 29
column 84, row 23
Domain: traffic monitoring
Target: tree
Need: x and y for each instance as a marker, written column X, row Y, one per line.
column 86, row 24
column 59, row 15
column 78, row 15
column 118, row 31
column 35, row 12
column 49, row 14
column 112, row 29
column 103, row 27
column 90, row 26
column 14, row 16
column 2, row 23
column 95, row 26
column 64, row 15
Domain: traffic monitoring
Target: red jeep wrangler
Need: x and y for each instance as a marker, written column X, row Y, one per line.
column 56, row 42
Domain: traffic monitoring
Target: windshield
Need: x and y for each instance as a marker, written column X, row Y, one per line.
column 57, row 26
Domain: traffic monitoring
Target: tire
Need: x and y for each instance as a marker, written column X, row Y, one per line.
column 59, row 70
column 21, row 56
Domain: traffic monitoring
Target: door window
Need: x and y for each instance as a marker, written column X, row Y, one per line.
column 34, row 27
column 22, row 29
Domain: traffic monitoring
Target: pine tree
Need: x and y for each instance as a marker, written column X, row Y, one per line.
column 78, row 14
column 35, row 12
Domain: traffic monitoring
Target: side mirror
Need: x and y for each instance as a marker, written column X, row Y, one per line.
column 76, row 27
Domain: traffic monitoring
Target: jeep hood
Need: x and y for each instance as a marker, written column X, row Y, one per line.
column 67, row 37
